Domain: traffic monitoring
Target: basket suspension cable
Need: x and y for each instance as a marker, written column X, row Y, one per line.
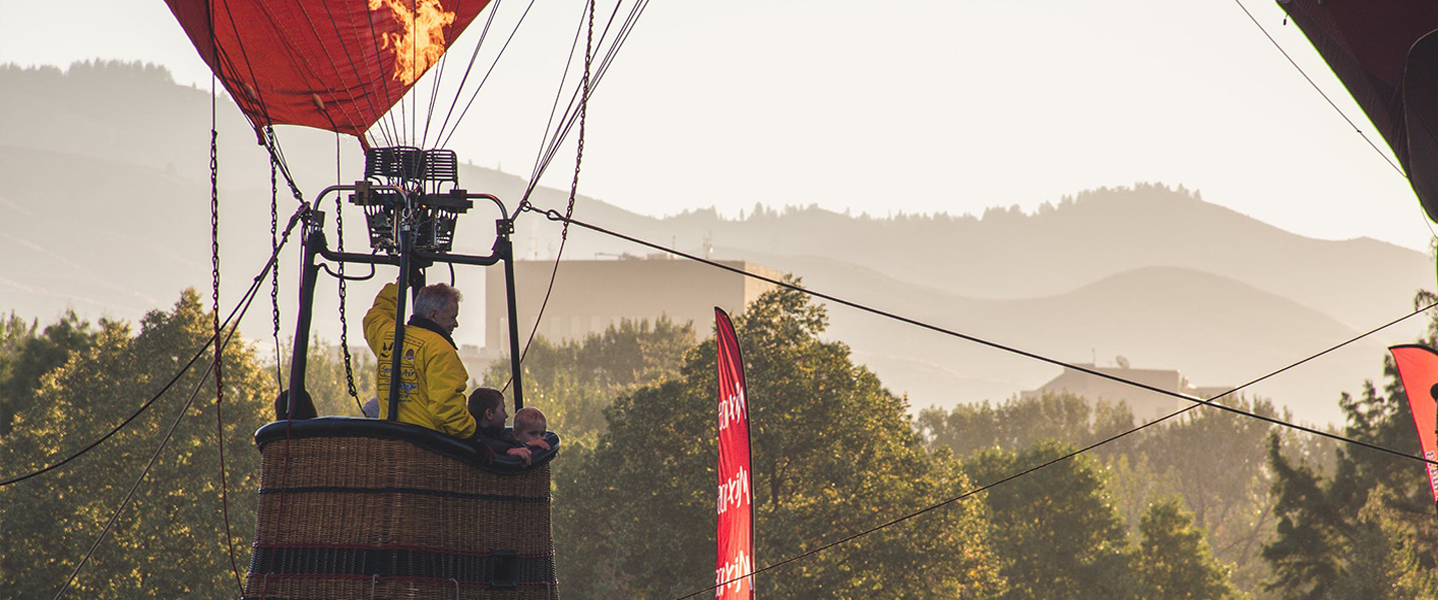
column 570, row 117
column 573, row 190
column 215, row 315
column 549, row 129
column 459, row 90
column 413, row 76
column 215, row 254
column 583, row 113
column 238, row 312
column 484, row 79
column 129, row 496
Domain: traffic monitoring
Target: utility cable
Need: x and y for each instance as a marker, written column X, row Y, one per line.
column 201, row 352
column 153, row 458
column 1197, row 403
column 349, row 57
column 1426, row 221
column 573, row 186
column 393, row 138
column 483, row 34
column 554, row 215
column 1320, row 91
column 559, row 90
column 462, row 113
column 570, row 116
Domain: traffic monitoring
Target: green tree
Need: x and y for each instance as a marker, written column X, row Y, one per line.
column 1305, row 554
column 326, row 379
column 1383, row 563
column 1337, row 533
column 26, row 357
column 1174, row 561
column 833, row 453
column 1055, row 530
column 1019, row 423
column 1215, row 460
column 170, row 542
column 573, row 382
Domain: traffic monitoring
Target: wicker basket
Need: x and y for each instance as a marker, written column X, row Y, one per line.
column 361, row 509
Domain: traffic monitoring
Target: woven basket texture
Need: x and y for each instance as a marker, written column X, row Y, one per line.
column 335, row 512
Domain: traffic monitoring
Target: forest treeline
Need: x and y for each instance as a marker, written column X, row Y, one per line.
column 1207, row 505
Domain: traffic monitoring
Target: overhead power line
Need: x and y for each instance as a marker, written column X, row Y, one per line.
column 1331, row 103
column 554, row 215
column 1320, row 91
column 1068, row 456
column 967, row 494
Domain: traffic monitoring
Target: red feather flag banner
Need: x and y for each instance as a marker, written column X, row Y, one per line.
column 1418, row 369
column 734, row 564
column 331, row 64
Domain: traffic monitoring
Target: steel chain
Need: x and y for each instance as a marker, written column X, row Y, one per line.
column 344, row 324
column 215, row 259
column 583, row 112
column 275, row 273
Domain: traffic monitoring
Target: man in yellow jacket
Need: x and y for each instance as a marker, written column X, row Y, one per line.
column 432, row 378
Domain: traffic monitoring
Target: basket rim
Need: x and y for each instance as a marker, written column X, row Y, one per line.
column 421, row 437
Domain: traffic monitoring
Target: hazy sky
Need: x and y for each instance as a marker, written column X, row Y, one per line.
column 905, row 105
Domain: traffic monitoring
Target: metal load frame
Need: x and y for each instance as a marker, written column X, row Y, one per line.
column 414, row 228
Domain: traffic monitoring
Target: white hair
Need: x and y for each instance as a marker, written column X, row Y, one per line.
column 435, row 297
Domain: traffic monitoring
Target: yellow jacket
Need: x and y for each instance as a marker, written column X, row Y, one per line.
column 432, row 378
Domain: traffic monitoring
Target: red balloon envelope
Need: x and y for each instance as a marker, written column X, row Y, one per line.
column 328, row 64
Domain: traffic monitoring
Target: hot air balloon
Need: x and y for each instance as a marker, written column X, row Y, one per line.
column 374, row 508
column 1385, row 54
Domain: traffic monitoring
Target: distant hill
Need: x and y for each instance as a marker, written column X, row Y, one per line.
column 105, row 209
column 1094, row 234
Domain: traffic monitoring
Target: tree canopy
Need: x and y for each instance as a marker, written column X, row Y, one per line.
column 833, row 453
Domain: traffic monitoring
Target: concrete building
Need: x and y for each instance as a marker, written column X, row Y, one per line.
column 1146, row 405
column 591, row 295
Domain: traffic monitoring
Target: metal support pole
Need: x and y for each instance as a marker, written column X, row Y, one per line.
column 505, row 251
column 406, row 249
column 314, row 243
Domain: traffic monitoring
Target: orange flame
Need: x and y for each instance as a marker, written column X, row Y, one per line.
column 421, row 41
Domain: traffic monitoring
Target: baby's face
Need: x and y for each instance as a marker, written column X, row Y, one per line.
column 529, row 431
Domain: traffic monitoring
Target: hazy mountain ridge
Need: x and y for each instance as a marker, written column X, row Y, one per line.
column 1217, row 330
column 1090, row 236
column 107, row 193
